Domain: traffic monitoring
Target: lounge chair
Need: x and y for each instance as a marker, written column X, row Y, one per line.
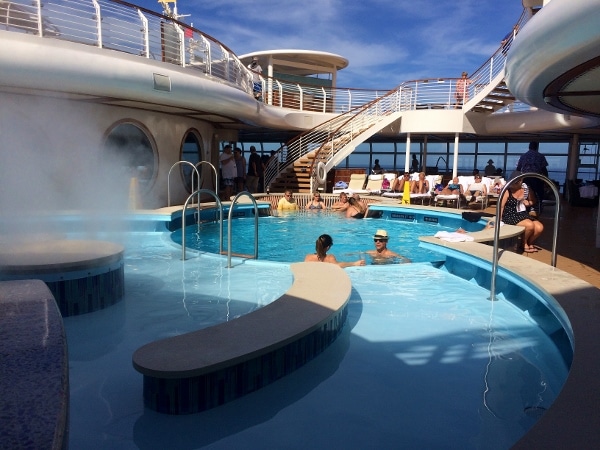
column 374, row 183
column 355, row 186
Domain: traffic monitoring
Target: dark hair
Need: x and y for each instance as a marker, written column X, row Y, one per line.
column 323, row 243
column 534, row 145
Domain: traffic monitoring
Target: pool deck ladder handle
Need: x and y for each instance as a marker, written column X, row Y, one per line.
column 195, row 169
column 498, row 219
column 219, row 204
column 230, row 225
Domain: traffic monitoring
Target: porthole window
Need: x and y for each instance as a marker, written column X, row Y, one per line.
column 130, row 152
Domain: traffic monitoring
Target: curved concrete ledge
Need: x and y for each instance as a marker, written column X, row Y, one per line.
column 34, row 373
column 206, row 368
column 572, row 420
column 84, row 276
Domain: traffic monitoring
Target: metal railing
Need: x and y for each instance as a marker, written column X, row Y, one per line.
column 115, row 25
column 230, row 225
column 183, row 211
column 194, row 170
column 327, row 139
column 499, row 218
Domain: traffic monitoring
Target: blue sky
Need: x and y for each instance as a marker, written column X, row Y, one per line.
column 386, row 41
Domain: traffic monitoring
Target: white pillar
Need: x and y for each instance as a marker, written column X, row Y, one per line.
column 455, row 160
column 270, row 80
column 424, row 159
column 407, row 156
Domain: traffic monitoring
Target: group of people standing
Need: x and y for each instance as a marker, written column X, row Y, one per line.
column 237, row 175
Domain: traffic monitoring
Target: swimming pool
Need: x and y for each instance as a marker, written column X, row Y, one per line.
column 425, row 361
column 290, row 237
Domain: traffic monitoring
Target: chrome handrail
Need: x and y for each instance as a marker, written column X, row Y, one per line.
column 219, row 204
column 115, row 25
column 214, row 171
column 498, row 219
column 169, row 180
column 229, row 226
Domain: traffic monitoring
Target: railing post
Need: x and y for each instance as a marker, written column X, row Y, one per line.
column 145, row 37
column 98, row 23
column 38, row 5
column 218, row 201
column 229, row 226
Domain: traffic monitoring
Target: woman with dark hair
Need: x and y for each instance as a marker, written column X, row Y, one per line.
column 511, row 215
column 356, row 210
column 322, row 246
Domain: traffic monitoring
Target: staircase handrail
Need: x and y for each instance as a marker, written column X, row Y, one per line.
column 414, row 94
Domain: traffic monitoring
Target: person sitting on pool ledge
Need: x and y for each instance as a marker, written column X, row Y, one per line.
column 287, row 202
column 323, row 244
column 382, row 254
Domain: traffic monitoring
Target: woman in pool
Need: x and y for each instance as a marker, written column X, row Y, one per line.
column 323, row 244
column 316, row 202
column 356, row 210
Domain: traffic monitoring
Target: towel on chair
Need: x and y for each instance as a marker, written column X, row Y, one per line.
column 453, row 236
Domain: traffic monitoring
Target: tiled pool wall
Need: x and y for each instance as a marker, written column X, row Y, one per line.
column 199, row 393
column 90, row 292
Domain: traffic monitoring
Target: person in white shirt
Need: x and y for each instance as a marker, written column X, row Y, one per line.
column 477, row 189
column 228, row 170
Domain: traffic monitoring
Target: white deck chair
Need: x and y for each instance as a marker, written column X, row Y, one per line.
column 390, row 177
column 431, row 180
column 355, row 186
column 374, row 184
column 482, row 199
column 456, row 198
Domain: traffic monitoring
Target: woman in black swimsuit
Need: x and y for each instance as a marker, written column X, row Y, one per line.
column 356, row 210
column 509, row 211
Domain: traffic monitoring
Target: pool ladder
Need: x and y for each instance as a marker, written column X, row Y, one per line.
column 498, row 219
column 194, row 170
column 229, row 218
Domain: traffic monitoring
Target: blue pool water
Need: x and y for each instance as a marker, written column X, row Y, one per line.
column 289, row 238
column 426, row 361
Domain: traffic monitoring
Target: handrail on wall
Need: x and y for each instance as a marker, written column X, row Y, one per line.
column 230, row 226
column 219, row 204
column 498, row 219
